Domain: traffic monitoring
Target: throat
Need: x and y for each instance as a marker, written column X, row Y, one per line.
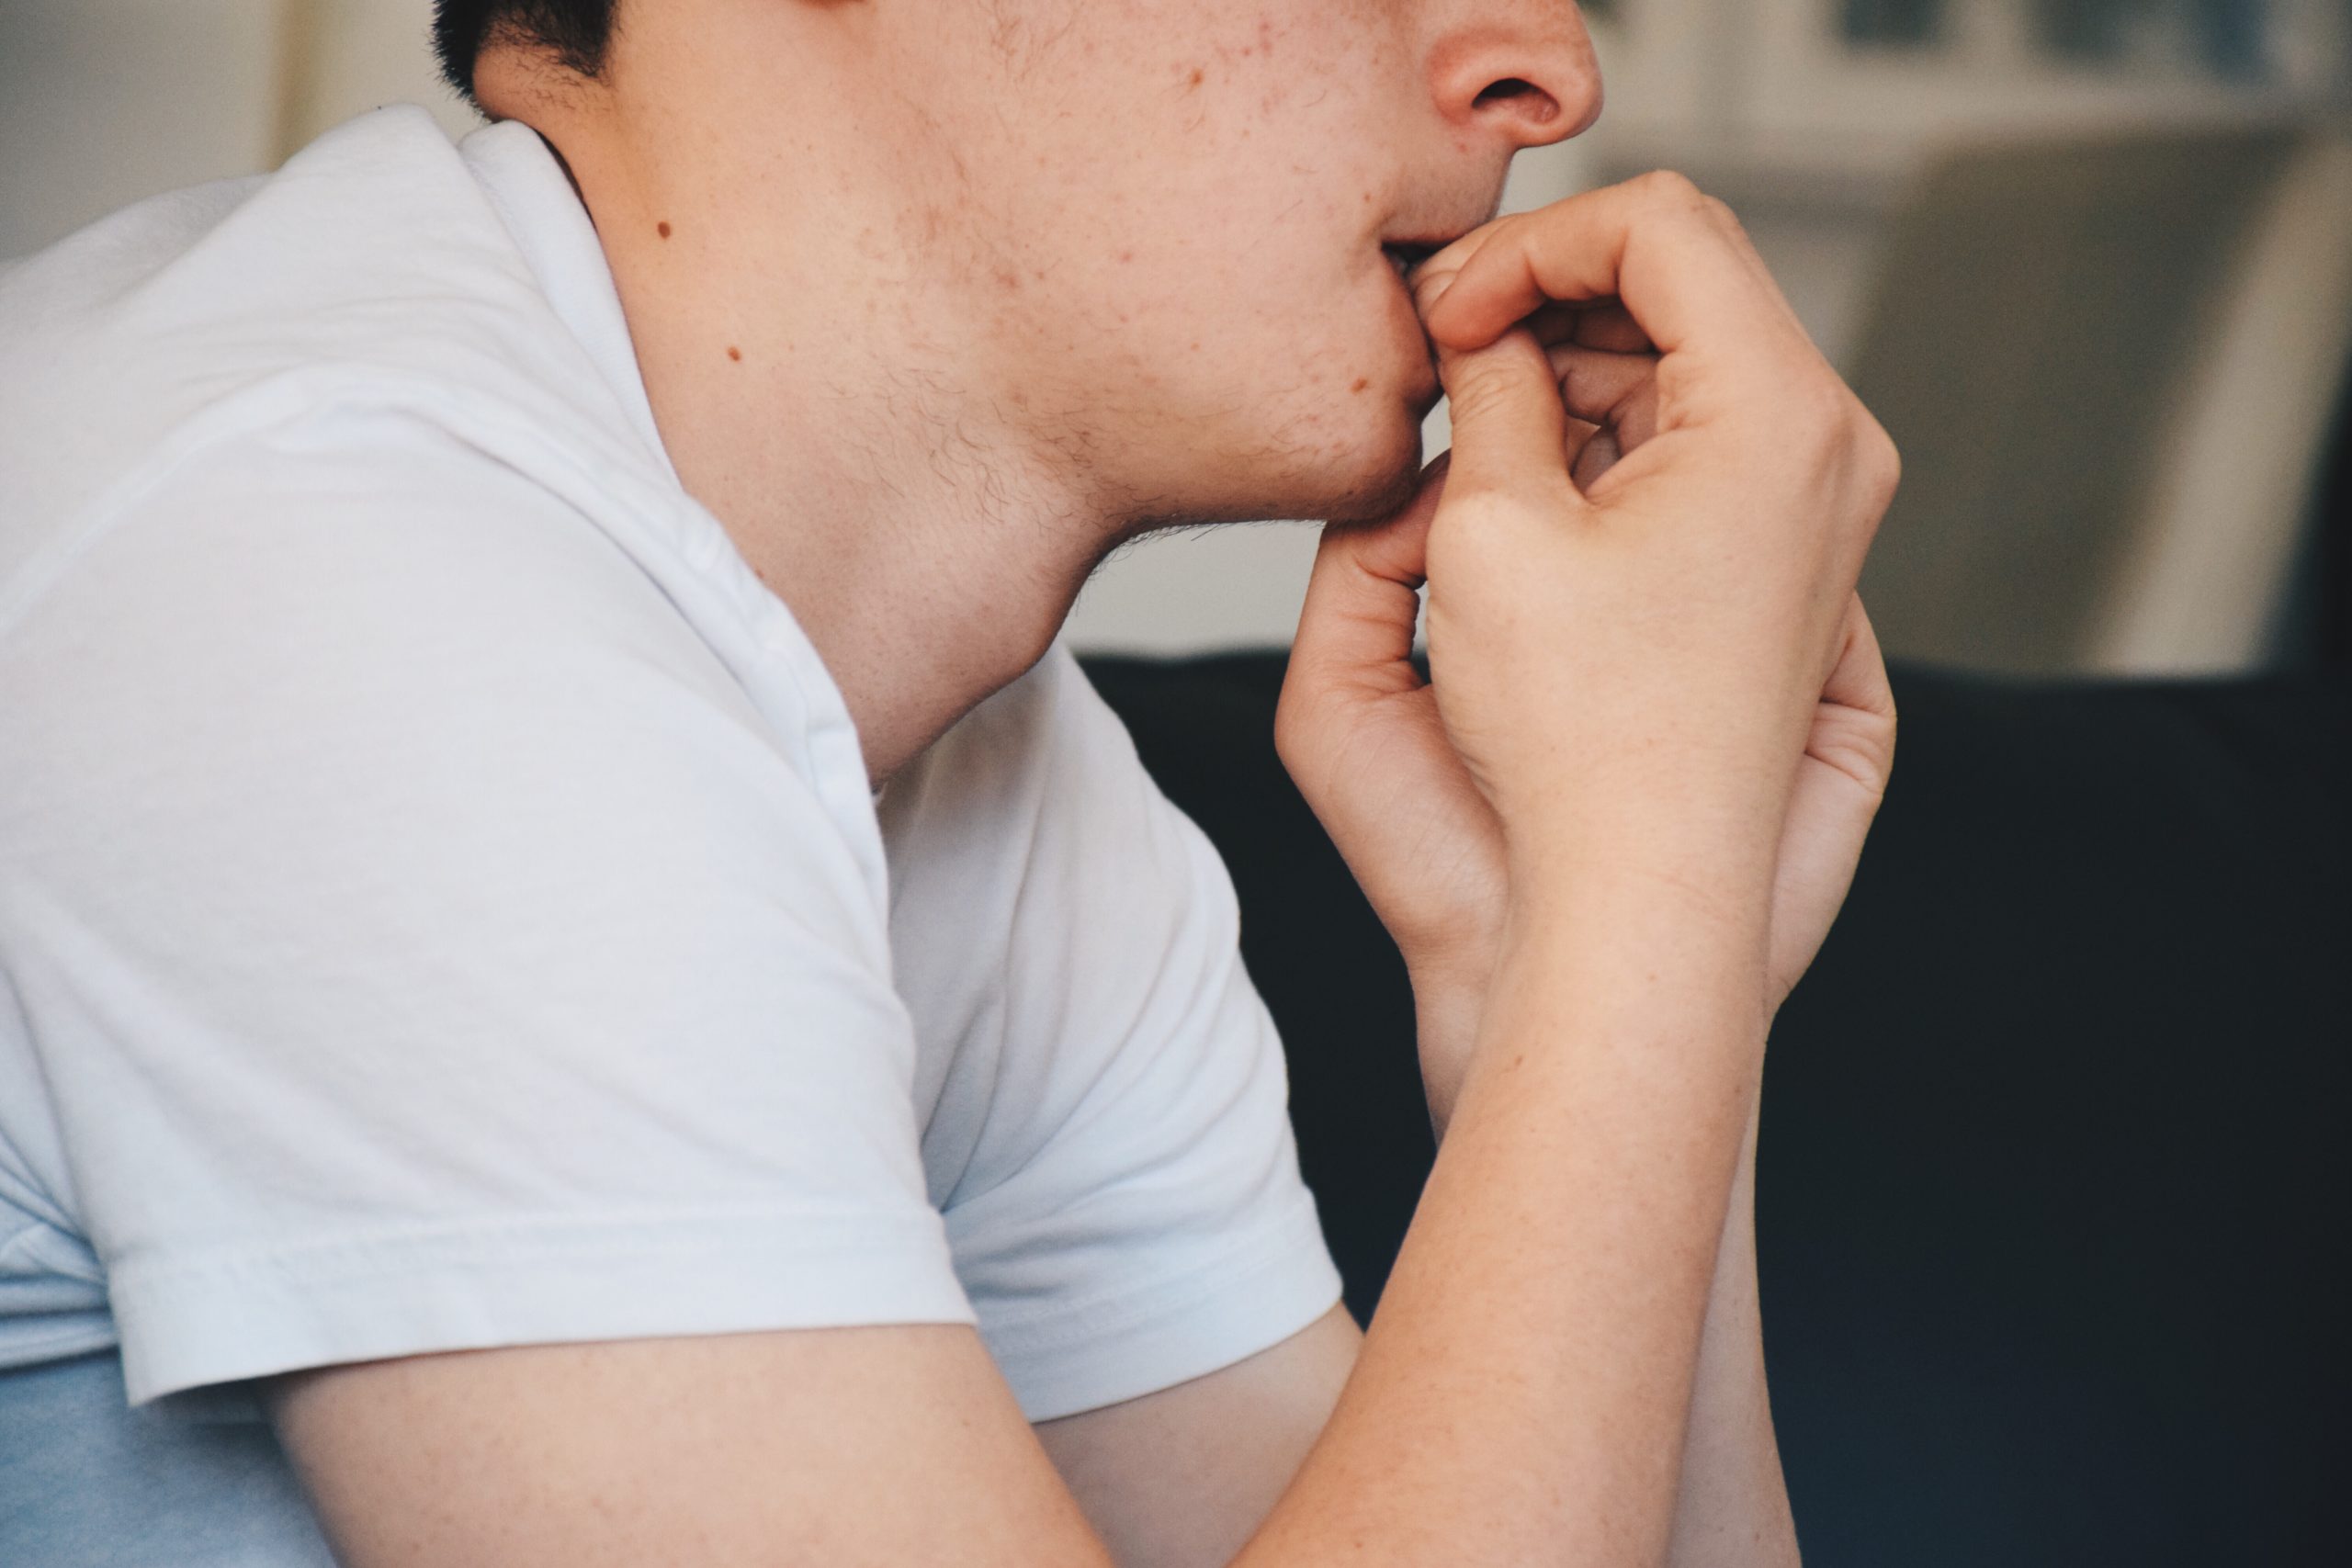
column 920, row 599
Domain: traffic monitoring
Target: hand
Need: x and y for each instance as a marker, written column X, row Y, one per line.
column 1360, row 732
column 1359, row 729
column 1369, row 742
column 1605, row 364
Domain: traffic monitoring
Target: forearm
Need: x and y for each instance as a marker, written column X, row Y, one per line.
column 1523, row 1391
column 1732, row 1506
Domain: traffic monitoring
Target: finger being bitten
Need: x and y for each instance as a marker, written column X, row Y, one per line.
column 1654, row 245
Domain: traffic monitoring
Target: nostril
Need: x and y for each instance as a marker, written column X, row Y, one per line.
column 1525, row 94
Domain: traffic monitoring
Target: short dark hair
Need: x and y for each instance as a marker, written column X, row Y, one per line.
column 572, row 32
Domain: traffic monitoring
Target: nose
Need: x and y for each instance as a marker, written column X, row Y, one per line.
column 1520, row 69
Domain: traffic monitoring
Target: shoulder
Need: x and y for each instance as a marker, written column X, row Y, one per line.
column 371, row 272
column 355, row 630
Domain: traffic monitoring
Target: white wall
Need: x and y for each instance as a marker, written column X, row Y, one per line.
column 102, row 104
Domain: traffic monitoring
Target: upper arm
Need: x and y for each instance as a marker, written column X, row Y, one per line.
column 895, row 1445
column 839, row 1447
column 1181, row 1478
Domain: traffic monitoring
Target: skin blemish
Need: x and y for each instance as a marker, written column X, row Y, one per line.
column 734, row 353
column 662, row 228
column 1126, row 255
column 1361, row 382
column 1195, row 79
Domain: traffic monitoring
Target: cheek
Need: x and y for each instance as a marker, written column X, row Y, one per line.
column 1262, row 323
column 1203, row 229
column 1284, row 340
column 1251, row 129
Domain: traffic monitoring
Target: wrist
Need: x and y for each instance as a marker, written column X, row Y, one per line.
column 1696, row 818
column 1721, row 882
column 1448, row 1004
column 1643, row 939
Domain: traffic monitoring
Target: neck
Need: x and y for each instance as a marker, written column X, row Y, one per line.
column 928, row 544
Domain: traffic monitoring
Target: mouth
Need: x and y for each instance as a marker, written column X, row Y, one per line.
column 1404, row 255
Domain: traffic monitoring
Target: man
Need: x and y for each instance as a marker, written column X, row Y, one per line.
column 577, row 946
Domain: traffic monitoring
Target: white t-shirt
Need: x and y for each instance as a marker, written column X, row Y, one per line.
column 441, row 903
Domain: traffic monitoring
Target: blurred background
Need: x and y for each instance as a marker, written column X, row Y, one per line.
column 2090, row 261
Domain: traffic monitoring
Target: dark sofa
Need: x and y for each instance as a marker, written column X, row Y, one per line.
column 2052, row 1199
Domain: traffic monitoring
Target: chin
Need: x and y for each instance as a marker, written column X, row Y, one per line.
column 1373, row 479
column 1354, row 471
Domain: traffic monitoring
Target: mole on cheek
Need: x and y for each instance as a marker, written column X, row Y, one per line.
column 1361, row 382
column 734, row 353
column 662, row 228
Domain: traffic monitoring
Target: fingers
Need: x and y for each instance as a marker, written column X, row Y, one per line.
column 1362, row 598
column 1854, row 723
column 1674, row 259
column 1593, row 457
column 1608, row 325
column 1617, row 390
column 1604, row 325
column 1509, row 425
column 1858, row 679
column 1581, row 434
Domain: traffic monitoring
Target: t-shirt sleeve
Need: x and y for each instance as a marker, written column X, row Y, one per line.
column 426, row 943
column 1132, row 1215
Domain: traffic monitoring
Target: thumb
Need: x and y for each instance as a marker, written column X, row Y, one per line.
column 1509, row 427
column 1363, row 599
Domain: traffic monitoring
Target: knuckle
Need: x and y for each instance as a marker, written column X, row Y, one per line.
column 1479, row 394
column 1493, row 507
column 1670, row 188
column 1818, row 403
column 1473, row 495
column 1880, row 460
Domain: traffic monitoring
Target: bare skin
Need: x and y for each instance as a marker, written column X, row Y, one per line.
column 1010, row 284
column 936, row 304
